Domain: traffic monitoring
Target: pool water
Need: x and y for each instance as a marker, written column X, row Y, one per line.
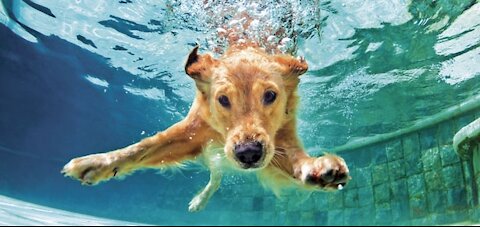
column 88, row 76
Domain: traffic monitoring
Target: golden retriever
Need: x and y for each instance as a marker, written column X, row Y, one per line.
column 246, row 103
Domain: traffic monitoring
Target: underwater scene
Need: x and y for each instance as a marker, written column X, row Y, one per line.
column 392, row 87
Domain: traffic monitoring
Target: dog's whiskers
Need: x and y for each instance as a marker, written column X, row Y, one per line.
column 275, row 162
column 283, row 148
column 280, row 153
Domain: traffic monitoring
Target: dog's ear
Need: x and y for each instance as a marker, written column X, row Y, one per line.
column 291, row 67
column 199, row 66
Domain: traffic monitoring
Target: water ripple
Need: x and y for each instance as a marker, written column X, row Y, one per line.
column 357, row 50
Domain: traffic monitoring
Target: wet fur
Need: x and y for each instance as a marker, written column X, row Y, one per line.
column 243, row 73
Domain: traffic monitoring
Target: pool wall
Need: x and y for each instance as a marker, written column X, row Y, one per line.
column 413, row 179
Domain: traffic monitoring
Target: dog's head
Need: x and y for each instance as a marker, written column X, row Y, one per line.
column 247, row 96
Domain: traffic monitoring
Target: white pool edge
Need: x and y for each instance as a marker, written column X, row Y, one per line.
column 15, row 212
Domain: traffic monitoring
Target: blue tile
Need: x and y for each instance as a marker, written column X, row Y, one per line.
column 436, row 201
column 399, row 190
column 380, row 174
column 434, row 180
column 365, row 196
column 335, row 217
column 321, row 218
column 418, row 207
column 448, row 155
column 453, row 176
column 416, row 185
column 457, row 199
column 396, row 169
column 382, row 193
column 363, row 177
column 394, row 150
column 351, row 198
column 413, row 164
column 428, row 138
column 411, row 144
column 431, row 159
column 383, row 216
column 400, row 211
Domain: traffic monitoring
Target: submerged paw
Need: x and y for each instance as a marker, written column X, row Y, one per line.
column 89, row 170
column 197, row 204
column 328, row 172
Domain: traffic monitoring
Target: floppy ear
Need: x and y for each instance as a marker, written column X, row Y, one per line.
column 290, row 66
column 199, row 66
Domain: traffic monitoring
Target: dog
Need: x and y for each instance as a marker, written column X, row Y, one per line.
column 246, row 103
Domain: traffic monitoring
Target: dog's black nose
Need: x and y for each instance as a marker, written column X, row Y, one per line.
column 249, row 153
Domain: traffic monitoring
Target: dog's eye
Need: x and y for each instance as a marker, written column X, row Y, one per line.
column 269, row 97
column 223, row 100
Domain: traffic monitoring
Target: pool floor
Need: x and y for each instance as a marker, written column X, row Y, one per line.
column 16, row 212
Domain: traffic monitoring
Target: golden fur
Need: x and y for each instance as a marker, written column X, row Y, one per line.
column 243, row 74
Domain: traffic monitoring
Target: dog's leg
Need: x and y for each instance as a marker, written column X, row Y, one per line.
column 326, row 172
column 199, row 202
column 181, row 141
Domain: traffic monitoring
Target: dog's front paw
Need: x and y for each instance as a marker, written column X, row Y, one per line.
column 198, row 203
column 328, row 172
column 91, row 169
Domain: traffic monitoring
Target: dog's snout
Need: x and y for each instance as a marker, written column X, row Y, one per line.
column 249, row 153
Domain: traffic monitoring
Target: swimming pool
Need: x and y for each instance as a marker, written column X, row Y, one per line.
column 80, row 77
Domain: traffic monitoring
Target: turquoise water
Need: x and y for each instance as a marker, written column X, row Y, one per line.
column 80, row 77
